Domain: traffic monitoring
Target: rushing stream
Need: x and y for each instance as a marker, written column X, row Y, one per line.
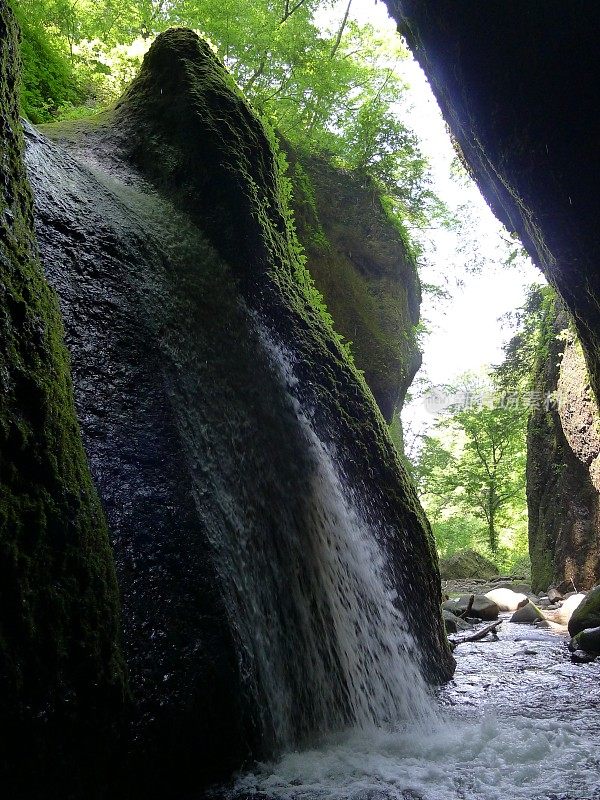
column 519, row 722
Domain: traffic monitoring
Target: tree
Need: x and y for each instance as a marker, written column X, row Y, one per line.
column 323, row 82
column 476, row 462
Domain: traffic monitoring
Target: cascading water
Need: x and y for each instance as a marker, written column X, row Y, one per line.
column 383, row 735
column 329, row 645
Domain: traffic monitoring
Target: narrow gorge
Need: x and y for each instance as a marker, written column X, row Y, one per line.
column 217, row 580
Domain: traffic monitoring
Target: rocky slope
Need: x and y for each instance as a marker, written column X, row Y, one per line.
column 228, row 436
column 563, row 453
column 518, row 83
column 61, row 672
column 361, row 263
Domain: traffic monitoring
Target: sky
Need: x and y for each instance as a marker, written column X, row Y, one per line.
column 465, row 332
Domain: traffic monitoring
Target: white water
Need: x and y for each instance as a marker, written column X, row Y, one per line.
column 520, row 723
column 494, row 759
column 347, row 657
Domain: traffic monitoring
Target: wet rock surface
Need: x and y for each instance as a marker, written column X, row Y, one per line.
column 194, row 349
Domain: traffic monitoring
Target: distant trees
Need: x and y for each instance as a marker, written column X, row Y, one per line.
column 470, row 470
column 476, row 463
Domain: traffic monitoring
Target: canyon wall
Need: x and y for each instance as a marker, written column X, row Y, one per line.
column 62, row 677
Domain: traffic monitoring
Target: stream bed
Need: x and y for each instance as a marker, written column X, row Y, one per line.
column 518, row 721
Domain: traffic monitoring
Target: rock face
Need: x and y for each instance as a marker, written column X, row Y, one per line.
column 467, row 564
column 361, row 263
column 563, row 481
column 518, row 84
column 61, row 673
column 212, row 396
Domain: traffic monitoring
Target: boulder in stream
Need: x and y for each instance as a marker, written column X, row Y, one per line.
column 506, row 599
column 528, row 614
column 483, row 608
column 585, row 611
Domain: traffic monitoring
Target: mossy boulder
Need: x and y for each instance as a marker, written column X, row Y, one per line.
column 528, row 614
column 587, row 613
column 467, row 564
column 62, row 681
column 587, row 640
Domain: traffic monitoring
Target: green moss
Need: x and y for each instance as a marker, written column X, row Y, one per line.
column 586, row 615
column 360, row 260
column 59, row 609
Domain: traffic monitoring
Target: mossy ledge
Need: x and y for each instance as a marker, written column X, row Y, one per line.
column 61, row 673
column 362, row 265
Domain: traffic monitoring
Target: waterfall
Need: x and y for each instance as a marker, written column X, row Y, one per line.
column 329, row 645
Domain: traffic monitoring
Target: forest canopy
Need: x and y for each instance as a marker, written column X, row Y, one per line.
column 317, row 77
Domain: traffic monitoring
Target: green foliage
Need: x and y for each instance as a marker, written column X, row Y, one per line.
column 474, row 469
column 325, row 83
column 49, row 82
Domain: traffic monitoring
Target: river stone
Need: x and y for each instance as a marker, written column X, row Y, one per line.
column 588, row 640
column 529, row 614
column 453, row 624
column 586, row 613
column 506, row 599
column 581, row 657
column 554, row 596
column 467, row 564
column 483, row 608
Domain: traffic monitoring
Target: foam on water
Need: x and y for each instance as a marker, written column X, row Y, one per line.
column 517, row 758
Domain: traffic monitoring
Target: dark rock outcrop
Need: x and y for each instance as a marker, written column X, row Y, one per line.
column 208, row 388
column 563, row 448
column 519, row 85
column 361, row 263
column 61, row 673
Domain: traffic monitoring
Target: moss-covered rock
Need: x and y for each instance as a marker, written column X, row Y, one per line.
column 587, row 613
column 362, row 264
column 213, row 397
column 587, row 640
column 61, row 672
column 467, row 564
column 528, row 614
column 563, row 446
